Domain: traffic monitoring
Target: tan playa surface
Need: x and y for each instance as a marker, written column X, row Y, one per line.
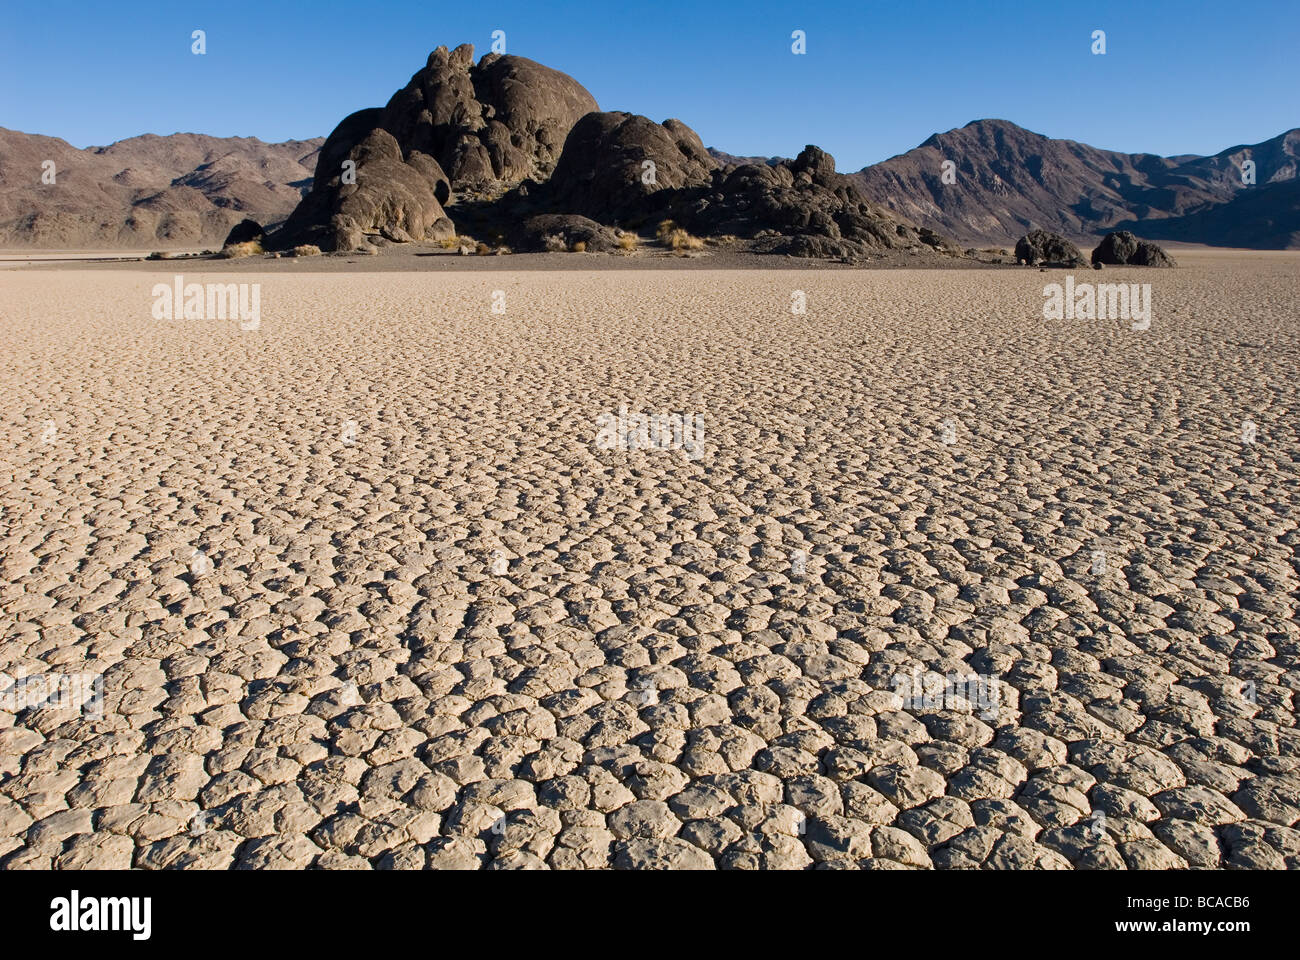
column 364, row 591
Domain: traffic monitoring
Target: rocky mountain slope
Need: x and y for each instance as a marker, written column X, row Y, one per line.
column 1009, row 180
column 151, row 190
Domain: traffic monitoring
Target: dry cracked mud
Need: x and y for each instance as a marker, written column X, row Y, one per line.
column 364, row 591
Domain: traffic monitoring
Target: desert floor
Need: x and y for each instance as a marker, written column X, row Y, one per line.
column 364, row 590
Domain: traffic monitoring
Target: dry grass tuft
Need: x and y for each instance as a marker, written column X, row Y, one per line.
column 677, row 239
column 250, row 248
column 306, row 250
column 579, row 247
column 627, row 242
column 681, row 241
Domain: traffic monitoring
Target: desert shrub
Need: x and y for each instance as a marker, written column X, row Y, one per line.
column 306, row 250
column 554, row 244
column 627, row 242
column 579, row 247
column 482, row 249
column 250, row 248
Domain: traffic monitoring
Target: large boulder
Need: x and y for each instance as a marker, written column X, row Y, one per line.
column 390, row 195
column 614, row 163
column 1121, row 248
column 1038, row 247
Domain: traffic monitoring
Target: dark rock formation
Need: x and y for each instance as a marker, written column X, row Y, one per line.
column 1038, row 247
column 802, row 208
column 453, row 126
column 245, row 231
column 462, row 135
column 1121, row 248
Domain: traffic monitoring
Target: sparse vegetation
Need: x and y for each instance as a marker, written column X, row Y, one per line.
column 677, row 239
column 579, row 247
column 554, row 244
column 306, row 250
column 682, row 242
column 627, row 242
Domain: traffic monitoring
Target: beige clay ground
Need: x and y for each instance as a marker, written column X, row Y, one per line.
column 312, row 654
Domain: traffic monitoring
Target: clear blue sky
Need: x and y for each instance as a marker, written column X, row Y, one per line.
column 1179, row 76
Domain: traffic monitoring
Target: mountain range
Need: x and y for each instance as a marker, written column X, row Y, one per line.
column 1009, row 180
column 506, row 123
column 185, row 189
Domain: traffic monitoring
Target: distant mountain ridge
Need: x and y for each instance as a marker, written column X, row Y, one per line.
column 1009, row 180
column 188, row 189
column 177, row 190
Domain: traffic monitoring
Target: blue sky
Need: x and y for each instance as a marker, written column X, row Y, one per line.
column 1179, row 76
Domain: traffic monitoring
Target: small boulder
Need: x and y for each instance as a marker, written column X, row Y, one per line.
column 245, row 231
column 1121, row 248
column 563, row 232
column 1049, row 250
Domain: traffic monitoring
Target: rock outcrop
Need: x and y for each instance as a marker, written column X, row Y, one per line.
column 802, row 208
column 1041, row 248
column 1121, row 248
column 454, row 126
